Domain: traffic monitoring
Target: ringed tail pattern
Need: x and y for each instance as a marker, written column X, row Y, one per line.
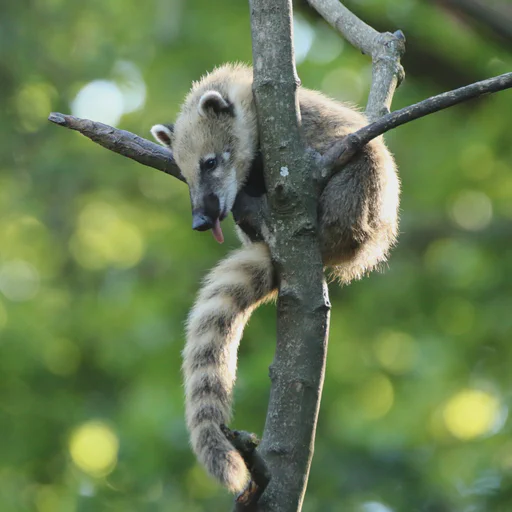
column 231, row 291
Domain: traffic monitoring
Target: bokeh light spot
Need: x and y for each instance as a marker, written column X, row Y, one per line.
column 19, row 281
column 131, row 84
column 104, row 238
column 99, row 100
column 472, row 210
column 303, row 36
column 327, row 45
column 374, row 506
column 471, row 413
column 376, row 396
column 396, row 351
column 93, row 447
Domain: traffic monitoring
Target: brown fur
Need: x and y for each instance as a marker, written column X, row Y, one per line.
column 358, row 215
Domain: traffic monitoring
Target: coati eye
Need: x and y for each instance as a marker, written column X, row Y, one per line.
column 210, row 164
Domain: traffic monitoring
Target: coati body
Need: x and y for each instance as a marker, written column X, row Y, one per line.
column 215, row 144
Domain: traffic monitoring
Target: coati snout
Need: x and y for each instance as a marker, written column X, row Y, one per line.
column 205, row 215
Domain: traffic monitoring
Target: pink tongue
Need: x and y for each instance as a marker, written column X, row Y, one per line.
column 217, row 232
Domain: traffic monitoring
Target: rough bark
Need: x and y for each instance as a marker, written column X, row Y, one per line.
column 297, row 372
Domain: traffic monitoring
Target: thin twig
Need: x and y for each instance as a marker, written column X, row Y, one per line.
column 385, row 49
column 353, row 29
column 120, row 141
column 341, row 153
column 151, row 154
column 387, row 73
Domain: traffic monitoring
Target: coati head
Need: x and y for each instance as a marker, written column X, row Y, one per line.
column 214, row 141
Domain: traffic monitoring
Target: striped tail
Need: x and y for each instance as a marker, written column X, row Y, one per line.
column 230, row 293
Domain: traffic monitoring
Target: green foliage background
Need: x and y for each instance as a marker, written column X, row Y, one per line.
column 98, row 267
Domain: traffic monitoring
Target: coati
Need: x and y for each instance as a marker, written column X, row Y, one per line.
column 215, row 144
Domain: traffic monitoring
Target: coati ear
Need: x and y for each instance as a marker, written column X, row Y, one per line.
column 163, row 133
column 213, row 100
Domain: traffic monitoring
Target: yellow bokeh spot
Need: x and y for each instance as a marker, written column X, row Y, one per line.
column 396, row 351
column 93, row 447
column 104, row 238
column 471, row 413
column 376, row 397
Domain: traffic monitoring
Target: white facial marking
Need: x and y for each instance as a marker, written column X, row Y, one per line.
column 284, row 171
column 226, row 156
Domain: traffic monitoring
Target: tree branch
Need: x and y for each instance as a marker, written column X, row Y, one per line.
column 353, row 29
column 120, row 141
column 252, row 212
column 297, row 372
column 385, row 49
column 290, row 216
column 342, row 152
